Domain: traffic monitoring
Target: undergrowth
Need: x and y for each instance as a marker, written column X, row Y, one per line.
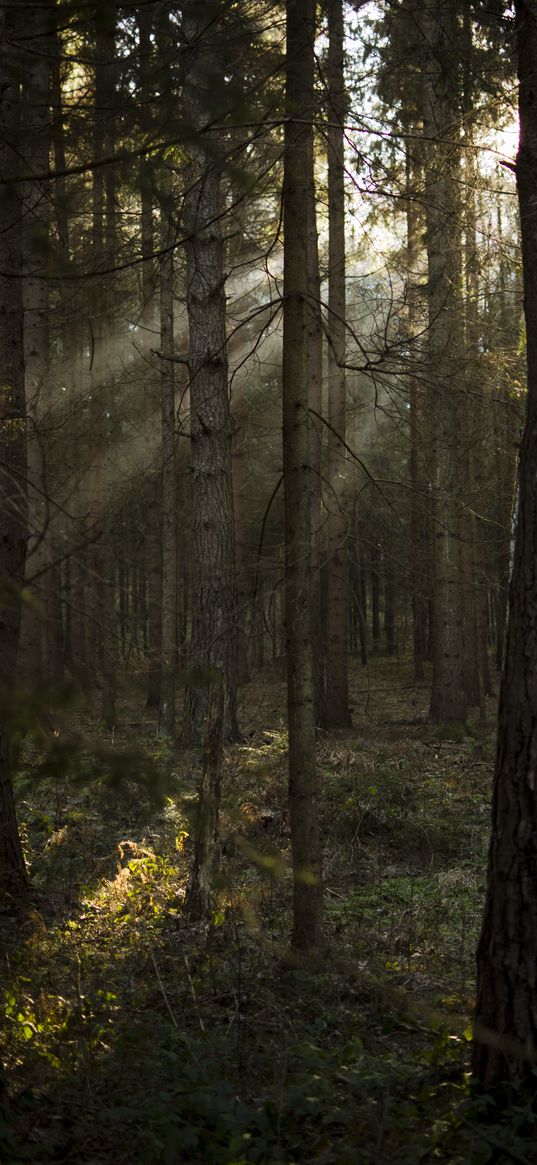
column 131, row 1037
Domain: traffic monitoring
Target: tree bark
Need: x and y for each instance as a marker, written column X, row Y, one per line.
column 214, row 613
column 39, row 627
column 473, row 423
column 505, row 1041
column 416, row 322
column 199, row 891
column 389, row 605
column 375, row 596
column 13, row 478
column 505, row 468
column 441, row 115
column 315, row 404
column 241, row 484
column 102, row 385
column 153, row 514
column 337, row 713
column 303, row 783
column 169, row 482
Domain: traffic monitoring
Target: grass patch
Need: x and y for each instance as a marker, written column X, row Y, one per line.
column 132, row 1038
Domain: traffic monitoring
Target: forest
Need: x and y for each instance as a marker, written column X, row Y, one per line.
column 268, row 582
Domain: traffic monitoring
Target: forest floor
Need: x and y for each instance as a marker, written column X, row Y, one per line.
column 132, row 1037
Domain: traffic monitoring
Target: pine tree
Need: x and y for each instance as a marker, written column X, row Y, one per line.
column 303, row 784
column 505, row 1042
column 13, row 477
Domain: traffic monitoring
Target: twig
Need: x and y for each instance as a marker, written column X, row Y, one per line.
column 162, row 988
column 194, row 996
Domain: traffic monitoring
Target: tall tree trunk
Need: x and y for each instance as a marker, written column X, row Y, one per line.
column 169, row 478
column 473, row 422
column 214, row 612
column 153, row 516
column 37, row 633
column 315, row 404
column 416, row 321
column 441, row 113
column 303, row 783
column 58, row 594
column 505, row 458
column 505, row 1042
column 13, row 480
column 102, row 389
column 337, row 711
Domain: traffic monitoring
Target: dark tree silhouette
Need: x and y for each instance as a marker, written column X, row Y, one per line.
column 505, row 1046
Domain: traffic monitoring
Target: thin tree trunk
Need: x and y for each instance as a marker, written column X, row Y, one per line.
column 362, row 610
column 258, row 624
column 337, row 566
column 389, row 606
column 375, row 596
column 57, row 643
column 169, row 478
column 315, row 404
column 303, row 783
column 473, row 423
column 13, row 480
column 504, row 461
column 153, row 513
column 35, row 632
column 102, row 388
column 240, row 489
column 416, row 322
